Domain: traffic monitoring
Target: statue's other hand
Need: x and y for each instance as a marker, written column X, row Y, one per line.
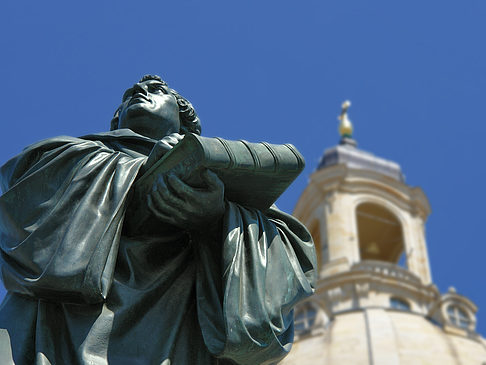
column 173, row 201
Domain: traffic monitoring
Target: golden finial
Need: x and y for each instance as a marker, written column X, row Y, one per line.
column 345, row 127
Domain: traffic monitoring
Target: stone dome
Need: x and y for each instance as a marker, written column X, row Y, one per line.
column 380, row 336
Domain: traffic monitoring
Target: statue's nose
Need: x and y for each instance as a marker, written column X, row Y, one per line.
column 140, row 88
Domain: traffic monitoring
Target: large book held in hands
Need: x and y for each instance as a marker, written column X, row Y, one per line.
column 254, row 174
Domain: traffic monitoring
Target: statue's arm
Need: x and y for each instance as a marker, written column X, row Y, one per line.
column 135, row 224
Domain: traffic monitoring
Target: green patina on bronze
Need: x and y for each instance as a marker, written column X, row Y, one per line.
column 202, row 280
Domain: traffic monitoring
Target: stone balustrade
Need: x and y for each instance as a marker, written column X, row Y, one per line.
column 386, row 269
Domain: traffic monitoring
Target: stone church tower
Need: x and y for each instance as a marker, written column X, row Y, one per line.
column 375, row 301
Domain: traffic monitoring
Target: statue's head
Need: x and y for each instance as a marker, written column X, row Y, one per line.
column 153, row 109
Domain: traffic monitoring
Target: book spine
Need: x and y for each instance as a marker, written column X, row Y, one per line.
column 300, row 159
column 256, row 160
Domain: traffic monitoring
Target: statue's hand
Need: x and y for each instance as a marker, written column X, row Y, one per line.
column 161, row 148
column 171, row 140
column 173, row 201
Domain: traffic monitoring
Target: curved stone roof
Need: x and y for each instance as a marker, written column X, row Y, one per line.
column 347, row 153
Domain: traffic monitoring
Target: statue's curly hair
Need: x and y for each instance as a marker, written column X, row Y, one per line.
column 189, row 119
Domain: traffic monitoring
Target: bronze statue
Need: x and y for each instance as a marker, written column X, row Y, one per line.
column 204, row 281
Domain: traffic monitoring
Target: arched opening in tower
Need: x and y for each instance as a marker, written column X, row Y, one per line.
column 380, row 234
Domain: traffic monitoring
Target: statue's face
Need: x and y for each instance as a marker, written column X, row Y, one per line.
column 149, row 109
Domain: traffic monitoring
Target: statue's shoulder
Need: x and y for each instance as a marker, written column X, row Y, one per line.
column 119, row 135
column 49, row 144
column 64, row 148
column 107, row 139
column 124, row 140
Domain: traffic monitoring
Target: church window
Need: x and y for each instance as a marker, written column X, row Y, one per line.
column 400, row 304
column 458, row 316
column 304, row 318
column 380, row 234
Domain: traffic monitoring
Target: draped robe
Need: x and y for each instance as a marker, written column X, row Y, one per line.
column 81, row 290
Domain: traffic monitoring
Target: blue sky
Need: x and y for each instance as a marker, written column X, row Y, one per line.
column 278, row 71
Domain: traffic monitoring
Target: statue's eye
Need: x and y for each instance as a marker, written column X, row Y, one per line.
column 157, row 89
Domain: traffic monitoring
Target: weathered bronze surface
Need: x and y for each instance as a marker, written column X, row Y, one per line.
column 204, row 281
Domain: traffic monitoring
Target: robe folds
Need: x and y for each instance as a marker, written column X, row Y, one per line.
column 83, row 291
